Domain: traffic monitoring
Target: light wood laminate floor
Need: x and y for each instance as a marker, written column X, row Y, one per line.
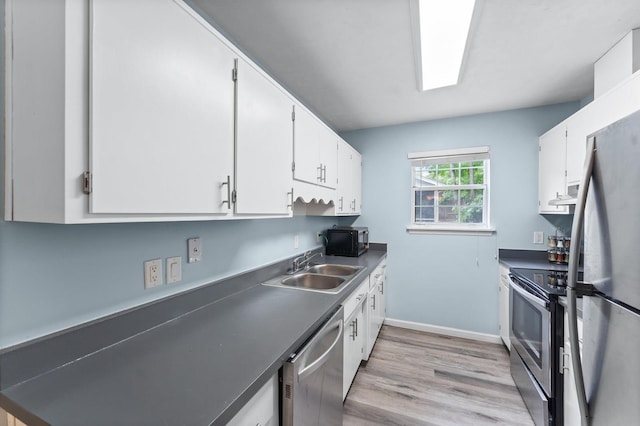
column 417, row 378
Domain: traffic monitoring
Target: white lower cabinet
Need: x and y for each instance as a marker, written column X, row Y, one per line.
column 503, row 303
column 262, row 408
column 376, row 306
column 354, row 334
column 571, row 411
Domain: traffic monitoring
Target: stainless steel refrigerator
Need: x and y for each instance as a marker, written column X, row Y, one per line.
column 608, row 204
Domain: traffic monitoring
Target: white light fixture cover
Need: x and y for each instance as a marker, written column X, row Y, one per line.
column 441, row 28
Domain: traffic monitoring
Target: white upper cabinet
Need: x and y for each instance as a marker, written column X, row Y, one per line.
column 552, row 158
column 161, row 111
column 349, row 199
column 264, row 145
column 608, row 108
column 315, row 150
column 138, row 111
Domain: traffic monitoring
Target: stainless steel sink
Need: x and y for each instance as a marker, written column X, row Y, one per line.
column 313, row 281
column 324, row 278
column 328, row 269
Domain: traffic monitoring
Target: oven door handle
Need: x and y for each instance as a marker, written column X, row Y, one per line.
column 530, row 297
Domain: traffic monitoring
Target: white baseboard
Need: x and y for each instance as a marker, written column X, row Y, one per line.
column 446, row 331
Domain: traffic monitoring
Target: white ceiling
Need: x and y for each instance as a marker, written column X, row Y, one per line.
column 352, row 62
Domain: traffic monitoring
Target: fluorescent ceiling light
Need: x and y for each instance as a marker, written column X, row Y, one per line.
column 440, row 36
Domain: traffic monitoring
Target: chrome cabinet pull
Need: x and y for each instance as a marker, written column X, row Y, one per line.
column 563, row 360
column 381, row 287
column 290, row 205
column 373, row 300
column 324, row 173
column 228, row 200
column 341, row 203
column 354, row 330
column 319, row 176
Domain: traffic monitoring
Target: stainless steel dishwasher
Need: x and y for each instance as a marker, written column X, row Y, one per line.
column 312, row 379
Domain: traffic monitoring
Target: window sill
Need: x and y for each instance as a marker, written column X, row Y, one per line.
column 450, row 230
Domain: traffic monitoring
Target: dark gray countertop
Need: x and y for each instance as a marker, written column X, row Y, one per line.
column 197, row 369
column 529, row 259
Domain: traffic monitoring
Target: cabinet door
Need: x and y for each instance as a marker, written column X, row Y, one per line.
column 345, row 178
column 353, row 347
column 551, row 169
column 503, row 290
column 328, row 156
column 356, row 181
column 162, row 110
column 382, row 302
column 579, row 126
column 315, row 150
column 349, row 180
column 261, row 409
column 264, row 145
column 308, row 132
column 610, row 107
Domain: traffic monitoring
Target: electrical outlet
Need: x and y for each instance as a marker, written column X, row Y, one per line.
column 296, row 241
column 174, row 269
column 152, row 273
column 538, row 237
column 194, row 247
column 319, row 237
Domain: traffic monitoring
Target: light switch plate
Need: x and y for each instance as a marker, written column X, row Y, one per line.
column 194, row 247
column 174, row 269
column 538, row 237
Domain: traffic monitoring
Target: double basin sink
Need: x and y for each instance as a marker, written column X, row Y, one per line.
column 327, row 278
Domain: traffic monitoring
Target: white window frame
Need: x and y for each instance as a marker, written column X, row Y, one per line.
column 461, row 155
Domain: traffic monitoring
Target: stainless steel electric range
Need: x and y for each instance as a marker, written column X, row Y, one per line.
column 536, row 337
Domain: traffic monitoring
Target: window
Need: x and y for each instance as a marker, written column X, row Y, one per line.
column 450, row 190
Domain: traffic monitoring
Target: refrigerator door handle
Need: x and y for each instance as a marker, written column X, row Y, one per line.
column 572, row 284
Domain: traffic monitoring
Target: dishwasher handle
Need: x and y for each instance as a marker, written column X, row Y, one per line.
column 309, row 369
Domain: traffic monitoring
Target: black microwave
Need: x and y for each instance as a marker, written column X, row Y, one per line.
column 347, row 241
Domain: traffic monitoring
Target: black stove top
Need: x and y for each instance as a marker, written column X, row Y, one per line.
column 549, row 282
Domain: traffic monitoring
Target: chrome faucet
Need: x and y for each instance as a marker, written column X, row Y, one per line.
column 302, row 262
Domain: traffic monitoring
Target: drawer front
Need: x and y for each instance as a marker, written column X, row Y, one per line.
column 356, row 298
column 378, row 274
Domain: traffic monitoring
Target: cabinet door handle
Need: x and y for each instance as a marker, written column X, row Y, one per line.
column 341, row 203
column 324, row 173
column 319, row 177
column 373, row 300
column 381, row 287
column 564, row 356
column 228, row 183
column 354, row 329
column 290, row 205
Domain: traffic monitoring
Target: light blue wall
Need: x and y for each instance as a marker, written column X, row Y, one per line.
column 56, row 276
column 442, row 280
